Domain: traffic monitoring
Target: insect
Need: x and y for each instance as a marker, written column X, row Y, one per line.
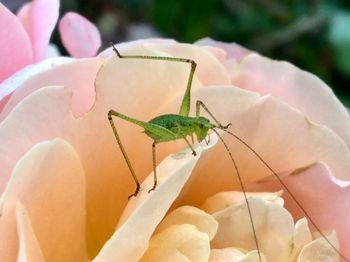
column 170, row 127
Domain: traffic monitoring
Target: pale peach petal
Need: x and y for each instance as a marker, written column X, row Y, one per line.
column 302, row 237
column 253, row 256
column 269, row 127
column 49, row 181
column 223, row 200
column 274, row 228
column 15, row 47
column 78, row 75
column 325, row 202
column 178, row 241
column 190, row 215
column 320, row 250
column 298, row 88
column 17, row 79
column 29, row 248
column 233, row 50
column 144, row 213
column 46, row 113
column 42, row 20
column 79, row 36
column 209, row 70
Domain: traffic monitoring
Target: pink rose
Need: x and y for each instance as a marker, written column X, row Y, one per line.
column 64, row 183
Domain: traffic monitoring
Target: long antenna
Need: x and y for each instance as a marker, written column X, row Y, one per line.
column 244, row 192
column 289, row 192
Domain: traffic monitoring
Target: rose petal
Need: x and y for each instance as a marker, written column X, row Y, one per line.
column 225, row 254
column 233, row 50
column 178, row 243
column 49, row 181
column 29, row 248
column 302, row 237
column 42, row 21
column 326, row 203
column 223, row 200
column 273, row 224
column 209, row 70
column 15, row 47
column 288, row 83
column 79, row 36
column 23, row 15
column 144, row 213
column 78, row 75
column 16, row 80
column 269, row 127
column 319, row 250
column 46, row 113
column 190, row 215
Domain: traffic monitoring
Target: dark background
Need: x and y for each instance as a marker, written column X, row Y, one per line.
column 312, row 34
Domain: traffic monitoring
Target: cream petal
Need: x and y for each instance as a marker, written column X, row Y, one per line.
column 29, row 248
column 273, row 225
column 325, row 202
column 317, row 101
column 49, row 181
column 190, row 215
column 223, row 200
column 283, row 137
column 178, row 240
column 320, row 250
column 302, row 237
column 253, row 256
column 144, row 213
column 226, row 254
column 78, row 76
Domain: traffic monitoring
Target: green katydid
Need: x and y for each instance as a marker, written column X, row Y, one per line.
column 170, row 127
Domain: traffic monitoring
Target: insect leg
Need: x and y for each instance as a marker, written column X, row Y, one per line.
column 190, row 146
column 200, row 104
column 186, row 101
column 154, row 166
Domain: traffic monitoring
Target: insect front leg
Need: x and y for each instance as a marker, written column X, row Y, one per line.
column 200, row 104
column 154, row 166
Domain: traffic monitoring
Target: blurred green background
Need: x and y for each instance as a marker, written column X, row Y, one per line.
column 312, row 34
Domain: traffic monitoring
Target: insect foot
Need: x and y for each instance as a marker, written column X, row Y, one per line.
column 194, row 153
column 136, row 192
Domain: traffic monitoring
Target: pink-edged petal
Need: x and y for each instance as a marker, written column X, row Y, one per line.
column 42, row 21
column 233, row 50
column 15, row 47
column 78, row 74
column 16, row 80
column 143, row 214
column 29, row 248
column 325, row 202
column 298, row 88
column 79, row 36
column 3, row 103
column 49, row 181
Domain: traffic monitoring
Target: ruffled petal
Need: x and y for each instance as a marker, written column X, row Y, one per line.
column 326, row 202
column 298, row 88
column 79, row 36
